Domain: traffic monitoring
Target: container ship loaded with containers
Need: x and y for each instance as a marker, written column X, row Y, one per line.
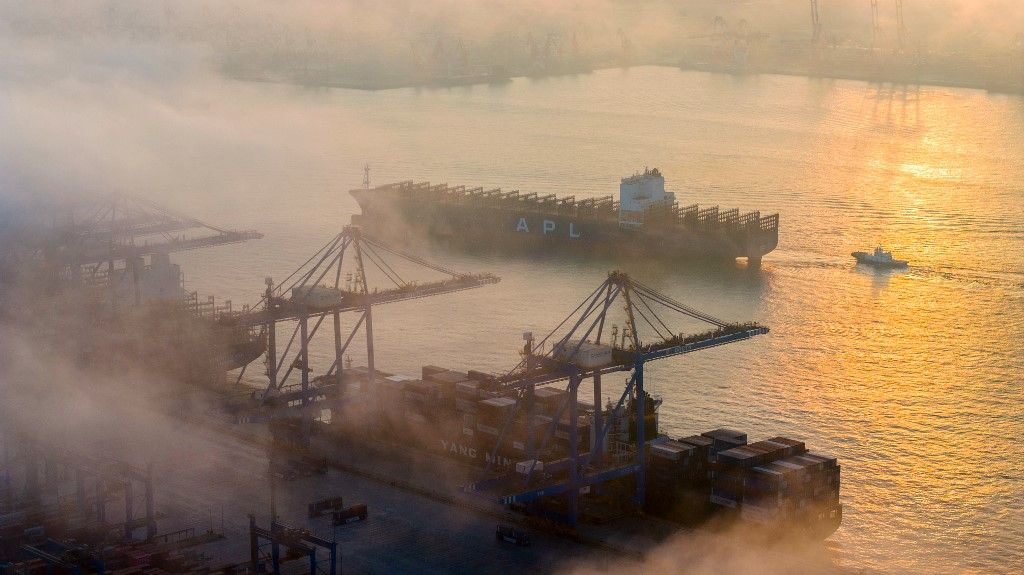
column 645, row 221
column 776, row 483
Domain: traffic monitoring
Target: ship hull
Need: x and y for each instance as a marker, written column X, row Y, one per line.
column 390, row 213
column 443, row 433
column 870, row 260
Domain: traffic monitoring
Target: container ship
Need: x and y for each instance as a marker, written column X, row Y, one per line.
column 645, row 221
column 774, row 484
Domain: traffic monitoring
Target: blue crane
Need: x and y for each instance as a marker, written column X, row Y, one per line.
column 645, row 308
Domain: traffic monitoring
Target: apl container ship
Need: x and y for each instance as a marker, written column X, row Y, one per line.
column 645, row 220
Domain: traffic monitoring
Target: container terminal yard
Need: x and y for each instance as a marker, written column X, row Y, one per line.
column 520, row 470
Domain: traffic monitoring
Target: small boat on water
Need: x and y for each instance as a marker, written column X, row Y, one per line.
column 880, row 259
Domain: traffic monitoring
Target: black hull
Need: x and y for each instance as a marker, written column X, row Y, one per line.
column 394, row 213
column 441, row 433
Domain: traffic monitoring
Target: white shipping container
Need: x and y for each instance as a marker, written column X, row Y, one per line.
column 588, row 356
column 316, row 297
column 523, row 467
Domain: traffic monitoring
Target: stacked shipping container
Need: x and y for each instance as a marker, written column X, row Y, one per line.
column 774, row 482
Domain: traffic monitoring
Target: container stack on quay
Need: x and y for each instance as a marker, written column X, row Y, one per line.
column 492, row 414
column 547, row 400
column 723, row 439
column 677, row 481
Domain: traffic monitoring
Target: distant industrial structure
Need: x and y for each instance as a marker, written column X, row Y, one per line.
column 113, row 256
column 889, row 54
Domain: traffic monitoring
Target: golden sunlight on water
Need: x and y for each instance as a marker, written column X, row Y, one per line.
column 913, row 379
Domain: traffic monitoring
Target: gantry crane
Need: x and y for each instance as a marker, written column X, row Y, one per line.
column 265, row 548
column 561, row 363
column 121, row 227
column 92, row 241
column 104, row 492
column 901, row 29
column 304, row 298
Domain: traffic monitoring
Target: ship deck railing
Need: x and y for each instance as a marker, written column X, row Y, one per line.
column 710, row 219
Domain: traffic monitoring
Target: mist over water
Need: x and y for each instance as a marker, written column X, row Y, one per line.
column 913, row 379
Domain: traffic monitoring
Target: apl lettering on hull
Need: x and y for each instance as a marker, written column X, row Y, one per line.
column 455, row 448
column 547, row 227
column 646, row 219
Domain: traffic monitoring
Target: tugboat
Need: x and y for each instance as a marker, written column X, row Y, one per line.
column 879, row 259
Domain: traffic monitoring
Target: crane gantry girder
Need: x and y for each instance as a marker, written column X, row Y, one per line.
column 281, row 309
column 876, row 26
column 901, row 27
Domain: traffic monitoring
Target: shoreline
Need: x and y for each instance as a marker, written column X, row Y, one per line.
column 377, row 85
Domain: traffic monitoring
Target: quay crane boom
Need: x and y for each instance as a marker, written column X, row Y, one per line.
column 119, row 227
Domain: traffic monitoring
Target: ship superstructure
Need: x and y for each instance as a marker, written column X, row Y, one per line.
column 646, row 220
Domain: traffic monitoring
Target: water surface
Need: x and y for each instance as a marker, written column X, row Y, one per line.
column 913, row 379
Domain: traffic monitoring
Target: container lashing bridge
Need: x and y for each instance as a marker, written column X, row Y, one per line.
column 644, row 308
column 320, row 288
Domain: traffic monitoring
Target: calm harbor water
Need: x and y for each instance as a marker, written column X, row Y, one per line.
column 914, row 379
